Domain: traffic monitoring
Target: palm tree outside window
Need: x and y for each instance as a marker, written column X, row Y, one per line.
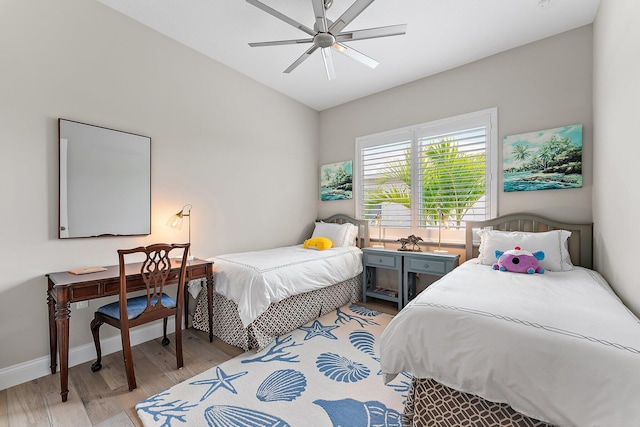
column 416, row 176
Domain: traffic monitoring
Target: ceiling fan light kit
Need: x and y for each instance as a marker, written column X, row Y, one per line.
column 327, row 35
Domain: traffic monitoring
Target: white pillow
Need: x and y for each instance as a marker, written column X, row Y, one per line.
column 552, row 243
column 352, row 235
column 339, row 234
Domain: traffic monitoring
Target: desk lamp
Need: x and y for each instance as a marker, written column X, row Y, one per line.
column 442, row 219
column 377, row 221
column 175, row 221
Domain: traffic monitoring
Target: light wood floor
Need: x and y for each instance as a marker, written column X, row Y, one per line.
column 103, row 398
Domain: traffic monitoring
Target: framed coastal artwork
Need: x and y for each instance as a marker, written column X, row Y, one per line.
column 336, row 181
column 543, row 160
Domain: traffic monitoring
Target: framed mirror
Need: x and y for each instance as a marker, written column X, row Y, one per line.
column 105, row 182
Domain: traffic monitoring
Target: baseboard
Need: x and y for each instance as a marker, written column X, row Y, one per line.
column 40, row 367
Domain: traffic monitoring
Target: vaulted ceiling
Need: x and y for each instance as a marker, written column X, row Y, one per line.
column 440, row 35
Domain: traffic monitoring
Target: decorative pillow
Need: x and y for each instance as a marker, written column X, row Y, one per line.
column 339, row 234
column 319, row 243
column 519, row 261
column 552, row 243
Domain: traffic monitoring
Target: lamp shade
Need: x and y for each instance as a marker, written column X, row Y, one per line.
column 175, row 221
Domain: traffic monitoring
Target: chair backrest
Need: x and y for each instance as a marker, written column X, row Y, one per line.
column 155, row 272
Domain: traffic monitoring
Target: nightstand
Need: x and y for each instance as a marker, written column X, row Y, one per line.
column 374, row 258
column 430, row 263
column 407, row 265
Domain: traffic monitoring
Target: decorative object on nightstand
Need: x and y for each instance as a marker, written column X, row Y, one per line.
column 442, row 219
column 377, row 221
column 175, row 221
column 413, row 239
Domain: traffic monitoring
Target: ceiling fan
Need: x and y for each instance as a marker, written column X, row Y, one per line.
column 327, row 35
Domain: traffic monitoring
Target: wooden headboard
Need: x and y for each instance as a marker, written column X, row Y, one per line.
column 580, row 242
column 363, row 227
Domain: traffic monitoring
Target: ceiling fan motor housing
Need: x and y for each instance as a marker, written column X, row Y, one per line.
column 324, row 40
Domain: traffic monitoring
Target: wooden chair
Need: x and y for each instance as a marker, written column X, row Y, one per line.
column 127, row 313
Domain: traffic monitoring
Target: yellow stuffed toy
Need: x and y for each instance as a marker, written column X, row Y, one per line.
column 319, row 243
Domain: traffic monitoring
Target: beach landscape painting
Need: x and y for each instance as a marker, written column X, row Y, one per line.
column 336, row 181
column 543, row 160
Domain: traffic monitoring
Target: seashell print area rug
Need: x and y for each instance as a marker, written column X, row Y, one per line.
column 325, row 373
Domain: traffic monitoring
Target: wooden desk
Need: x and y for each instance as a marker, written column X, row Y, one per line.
column 65, row 288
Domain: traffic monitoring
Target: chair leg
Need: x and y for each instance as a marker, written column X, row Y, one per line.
column 178, row 338
column 95, row 331
column 165, row 340
column 128, row 358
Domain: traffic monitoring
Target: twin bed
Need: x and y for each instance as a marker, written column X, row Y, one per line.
column 261, row 295
column 558, row 347
column 484, row 347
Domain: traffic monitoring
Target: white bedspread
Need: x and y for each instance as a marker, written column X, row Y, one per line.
column 254, row 280
column 559, row 347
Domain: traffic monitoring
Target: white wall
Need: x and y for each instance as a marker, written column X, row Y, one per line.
column 543, row 85
column 244, row 155
column 616, row 196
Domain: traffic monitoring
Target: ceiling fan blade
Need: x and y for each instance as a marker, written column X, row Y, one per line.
column 301, row 59
column 282, row 17
column 280, row 42
column 349, row 15
column 372, row 33
column 328, row 63
column 354, row 54
column 321, row 19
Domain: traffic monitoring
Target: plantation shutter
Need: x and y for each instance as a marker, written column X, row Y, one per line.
column 452, row 169
column 386, row 159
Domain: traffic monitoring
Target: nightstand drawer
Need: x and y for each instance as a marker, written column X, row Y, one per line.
column 426, row 266
column 387, row 261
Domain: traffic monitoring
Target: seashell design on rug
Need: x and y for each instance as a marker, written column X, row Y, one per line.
column 340, row 368
column 227, row 415
column 283, row 385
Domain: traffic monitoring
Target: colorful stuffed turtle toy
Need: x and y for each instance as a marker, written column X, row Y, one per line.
column 519, row 261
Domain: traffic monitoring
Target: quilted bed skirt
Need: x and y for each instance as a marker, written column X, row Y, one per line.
column 430, row 403
column 279, row 319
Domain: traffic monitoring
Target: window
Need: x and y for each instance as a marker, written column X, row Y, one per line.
column 429, row 179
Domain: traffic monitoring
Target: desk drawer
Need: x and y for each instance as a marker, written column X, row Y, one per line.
column 199, row 271
column 428, row 266
column 112, row 287
column 84, row 292
column 386, row 261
